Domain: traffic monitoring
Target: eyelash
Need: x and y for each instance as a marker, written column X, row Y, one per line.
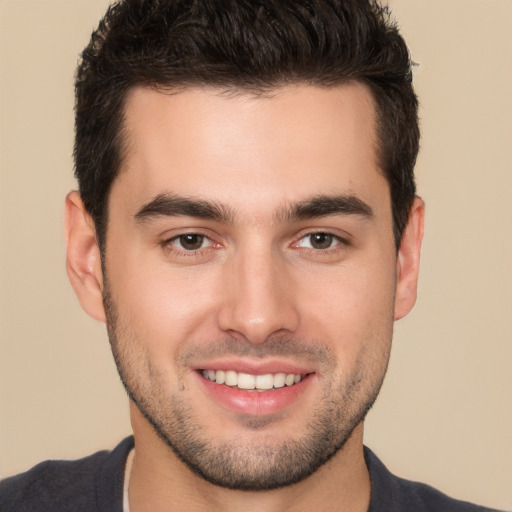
column 339, row 242
column 170, row 247
column 171, row 244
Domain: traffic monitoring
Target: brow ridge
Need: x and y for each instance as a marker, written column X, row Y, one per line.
column 172, row 205
column 325, row 205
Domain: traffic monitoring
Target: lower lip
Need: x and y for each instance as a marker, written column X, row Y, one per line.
column 256, row 403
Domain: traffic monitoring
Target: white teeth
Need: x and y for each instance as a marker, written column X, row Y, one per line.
column 248, row 381
column 265, row 381
column 279, row 379
column 231, row 378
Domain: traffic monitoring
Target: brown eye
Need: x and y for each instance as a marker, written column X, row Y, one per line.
column 191, row 242
column 321, row 240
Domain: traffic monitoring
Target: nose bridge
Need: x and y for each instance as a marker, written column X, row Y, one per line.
column 258, row 299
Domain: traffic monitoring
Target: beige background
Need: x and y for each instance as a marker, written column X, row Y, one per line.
column 445, row 413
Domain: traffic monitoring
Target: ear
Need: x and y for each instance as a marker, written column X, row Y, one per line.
column 408, row 260
column 83, row 263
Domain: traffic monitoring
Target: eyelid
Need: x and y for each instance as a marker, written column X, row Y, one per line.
column 174, row 233
column 204, row 239
column 169, row 242
column 335, row 239
column 343, row 239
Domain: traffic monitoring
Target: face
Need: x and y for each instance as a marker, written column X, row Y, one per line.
column 250, row 276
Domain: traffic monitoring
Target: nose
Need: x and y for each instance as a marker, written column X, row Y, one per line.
column 257, row 297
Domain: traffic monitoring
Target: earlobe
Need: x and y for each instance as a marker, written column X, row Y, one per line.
column 83, row 262
column 408, row 260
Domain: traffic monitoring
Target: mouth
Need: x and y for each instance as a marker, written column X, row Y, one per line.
column 257, row 390
column 251, row 382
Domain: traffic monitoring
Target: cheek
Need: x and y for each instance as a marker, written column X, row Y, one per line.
column 351, row 296
column 161, row 306
column 353, row 311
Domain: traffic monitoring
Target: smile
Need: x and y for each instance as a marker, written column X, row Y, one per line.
column 248, row 381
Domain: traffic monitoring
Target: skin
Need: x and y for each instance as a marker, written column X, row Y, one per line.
column 257, row 293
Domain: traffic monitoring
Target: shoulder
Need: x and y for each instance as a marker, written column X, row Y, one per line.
column 77, row 485
column 393, row 494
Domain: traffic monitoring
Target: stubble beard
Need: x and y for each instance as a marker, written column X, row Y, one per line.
column 242, row 465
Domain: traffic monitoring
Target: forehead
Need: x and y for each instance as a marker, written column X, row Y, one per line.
column 240, row 149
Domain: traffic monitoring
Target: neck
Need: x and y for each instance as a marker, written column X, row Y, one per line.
column 161, row 482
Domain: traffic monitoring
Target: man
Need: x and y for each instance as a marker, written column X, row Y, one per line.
column 247, row 227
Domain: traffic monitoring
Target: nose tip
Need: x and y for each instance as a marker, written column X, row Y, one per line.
column 258, row 303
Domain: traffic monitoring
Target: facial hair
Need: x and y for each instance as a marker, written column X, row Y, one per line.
column 240, row 464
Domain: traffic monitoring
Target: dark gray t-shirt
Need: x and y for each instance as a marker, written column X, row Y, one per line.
column 95, row 484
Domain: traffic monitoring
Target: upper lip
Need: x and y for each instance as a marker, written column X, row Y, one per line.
column 255, row 366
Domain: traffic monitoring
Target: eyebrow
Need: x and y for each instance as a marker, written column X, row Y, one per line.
column 325, row 205
column 171, row 205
